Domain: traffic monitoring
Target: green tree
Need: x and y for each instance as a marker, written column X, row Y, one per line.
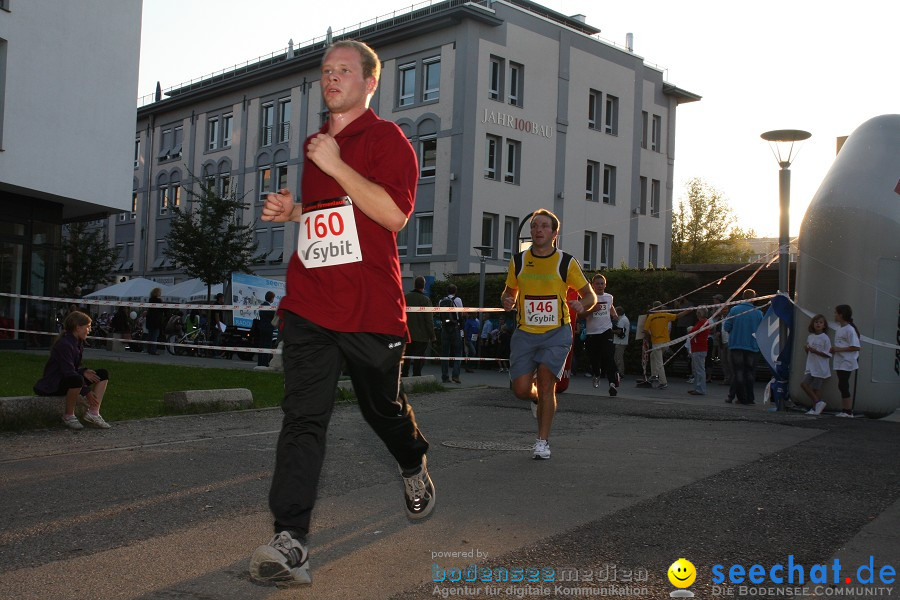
column 704, row 229
column 206, row 239
column 88, row 259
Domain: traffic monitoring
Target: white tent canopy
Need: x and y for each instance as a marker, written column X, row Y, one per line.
column 192, row 290
column 136, row 289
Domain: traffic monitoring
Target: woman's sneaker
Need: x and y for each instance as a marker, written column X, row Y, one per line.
column 283, row 561
column 418, row 492
column 541, row 450
column 95, row 421
column 72, row 422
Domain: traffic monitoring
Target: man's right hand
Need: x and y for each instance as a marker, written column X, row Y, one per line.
column 279, row 206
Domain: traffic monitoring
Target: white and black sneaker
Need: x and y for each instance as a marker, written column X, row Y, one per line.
column 418, row 492
column 541, row 450
column 284, row 561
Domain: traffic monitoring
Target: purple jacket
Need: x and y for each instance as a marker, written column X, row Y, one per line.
column 65, row 361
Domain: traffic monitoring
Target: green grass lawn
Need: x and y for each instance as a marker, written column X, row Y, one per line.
column 136, row 390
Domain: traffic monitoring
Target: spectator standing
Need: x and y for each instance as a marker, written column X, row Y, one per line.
column 741, row 324
column 699, row 339
column 154, row 321
column 265, row 329
column 656, row 325
column 818, row 347
column 451, row 336
column 621, row 333
column 846, row 355
column 421, row 329
column 470, row 337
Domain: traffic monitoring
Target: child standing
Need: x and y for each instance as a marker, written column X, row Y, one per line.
column 846, row 355
column 817, row 368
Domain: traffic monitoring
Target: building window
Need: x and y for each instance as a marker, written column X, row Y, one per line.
column 643, row 205
column 654, row 197
column 264, row 183
column 510, row 232
column 432, row 89
column 281, row 177
column 594, row 109
column 268, row 123
column 592, row 181
column 516, row 84
column 262, row 249
column 495, row 88
column 178, row 140
column 611, row 124
column 606, row 248
column 403, row 240
column 424, row 234
column 492, row 158
column 656, row 134
column 644, row 118
column 170, row 142
column 609, row 184
column 212, row 138
column 227, row 128
column 589, row 259
column 134, row 203
column 277, row 253
column 653, row 257
column 284, row 120
column 407, row 84
column 120, row 252
column 487, row 234
column 174, row 194
column 427, row 156
column 137, row 152
column 224, row 184
column 640, row 255
column 162, row 198
column 513, row 160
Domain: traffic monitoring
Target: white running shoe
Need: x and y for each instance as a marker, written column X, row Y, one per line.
column 283, row 561
column 95, row 421
column 818, row 408
column 72, row 422
column 419, row 493
column 541, row 449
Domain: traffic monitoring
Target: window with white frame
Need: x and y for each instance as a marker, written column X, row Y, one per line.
column 640, row 255
column 609, row 184
column 656, row 134
column 424, row 234
column 495, row 81
column 653, row 256
column 643, row 205
column 591, row 181
column 212, row 130
column 654, row 197
column 492, row 158
column 174, row 194
column 403, row 240
column 512, row 161
column 594, row 109
column 510, row 233
column 129, row 256
column 432, row 67
column 227, row 129
column 268, row 124
column 427, row 156
column 284, row 120
column 611, row 121
column 137, row 152
column 606, row 250
column 166, row 140
column 644, row 119
column 224, row 184
column 160, row 260
column 407, row 81
column 134, row 200
column 264, row 182
column 516, row 83
column 488, row 224
column 178, row 140
column 589, row 258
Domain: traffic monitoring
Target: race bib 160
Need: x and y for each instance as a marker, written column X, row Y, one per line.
column 328, row 235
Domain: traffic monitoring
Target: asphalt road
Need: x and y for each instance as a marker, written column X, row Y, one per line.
column 171, row 508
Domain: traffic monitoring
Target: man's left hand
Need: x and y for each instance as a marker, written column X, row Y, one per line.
column 325, row 152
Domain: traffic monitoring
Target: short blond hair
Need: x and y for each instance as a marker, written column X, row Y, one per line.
column 371, row 65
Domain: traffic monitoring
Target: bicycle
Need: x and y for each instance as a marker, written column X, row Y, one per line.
column 196, row 338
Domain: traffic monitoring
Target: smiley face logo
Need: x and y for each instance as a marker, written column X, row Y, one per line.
column 682, row 573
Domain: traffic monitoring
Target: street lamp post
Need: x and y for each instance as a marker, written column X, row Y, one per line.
column 782, row 142
column 484, row 253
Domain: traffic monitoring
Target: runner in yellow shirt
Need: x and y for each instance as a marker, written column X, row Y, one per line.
column 536, row 287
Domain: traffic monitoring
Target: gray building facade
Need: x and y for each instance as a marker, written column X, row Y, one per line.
column 510, row 107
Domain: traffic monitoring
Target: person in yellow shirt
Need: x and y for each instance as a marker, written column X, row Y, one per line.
column 657, row 326
column 536, row 287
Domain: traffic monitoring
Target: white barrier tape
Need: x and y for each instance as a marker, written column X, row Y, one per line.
column 463, row 358
column 203, row 347
column 445, row 309
column 718, row 305
column 834, row 327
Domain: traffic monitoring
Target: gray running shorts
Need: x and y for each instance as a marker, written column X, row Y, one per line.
column 528, row 350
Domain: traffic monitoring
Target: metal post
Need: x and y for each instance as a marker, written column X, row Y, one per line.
column 784, row 253
column 481, row 290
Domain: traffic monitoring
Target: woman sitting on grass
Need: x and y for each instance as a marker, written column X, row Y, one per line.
column 64, row 375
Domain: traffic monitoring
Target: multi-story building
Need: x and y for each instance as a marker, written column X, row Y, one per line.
column 509, row 105
column 68, row 77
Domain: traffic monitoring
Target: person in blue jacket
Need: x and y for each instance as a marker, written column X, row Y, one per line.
column 741, row 324
column 64, row 374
